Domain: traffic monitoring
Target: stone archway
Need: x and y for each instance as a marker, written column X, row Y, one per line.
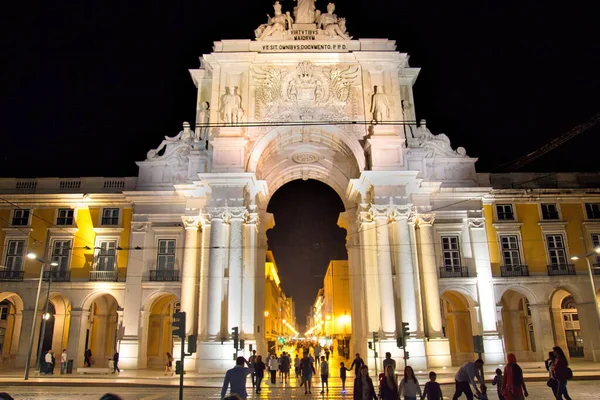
column 11, row 318
column 101, row 330
column 458, row 325
column 158, row 316
column 518, row 326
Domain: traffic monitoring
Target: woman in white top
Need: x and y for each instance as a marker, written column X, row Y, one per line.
column 409, row 385
column 273, row 367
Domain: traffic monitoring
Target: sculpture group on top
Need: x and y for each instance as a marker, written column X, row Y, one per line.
column 326, row 24
column 434, row 144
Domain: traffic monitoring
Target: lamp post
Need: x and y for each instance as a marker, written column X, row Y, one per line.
column 595, row 252
column 32, row 256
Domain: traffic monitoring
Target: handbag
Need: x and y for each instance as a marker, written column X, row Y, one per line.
column 550, row 383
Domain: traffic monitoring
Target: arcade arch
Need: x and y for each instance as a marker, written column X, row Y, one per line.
column 101, row 329
column 159, row 337
column 55, row 324
column 11, row 317
column 457, row 323
column 518, row 326
column 565, row 320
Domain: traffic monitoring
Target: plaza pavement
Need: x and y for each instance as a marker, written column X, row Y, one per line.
column 582, row 370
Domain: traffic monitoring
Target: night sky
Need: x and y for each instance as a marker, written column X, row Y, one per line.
column 88, row 87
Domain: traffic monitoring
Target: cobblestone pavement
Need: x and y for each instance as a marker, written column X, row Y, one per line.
column 579, row 390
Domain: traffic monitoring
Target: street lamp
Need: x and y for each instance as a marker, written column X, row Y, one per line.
column 33, row 256
column 595, row 252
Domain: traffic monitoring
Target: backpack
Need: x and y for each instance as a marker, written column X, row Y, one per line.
column 569, row 374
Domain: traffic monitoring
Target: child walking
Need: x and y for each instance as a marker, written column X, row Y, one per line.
column 343, row 370
column 432, row 390
column 498, row 383
column 409, row 386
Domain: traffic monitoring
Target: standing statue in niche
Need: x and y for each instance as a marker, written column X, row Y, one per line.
column 239, row 116
column 304, row 12
column 380, row 107
column 202, row 124
column 230, row 106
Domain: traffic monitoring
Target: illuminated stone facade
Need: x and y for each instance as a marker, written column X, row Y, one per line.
column 189, row 232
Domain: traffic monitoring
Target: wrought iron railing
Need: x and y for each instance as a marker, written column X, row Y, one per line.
column 164, row 275
column 514, row 270
column 454, row 272
column 561, row 269
column 11, row 275
column 104, row 276
column 596, row 268
column 58, row 275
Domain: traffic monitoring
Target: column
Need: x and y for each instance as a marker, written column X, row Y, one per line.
column 430, row 276
column 189, row 275
column 492, row 343
column 588, row 320
column 368, row 243
column 216, row 269
column 77, row 329
column 234, row 300
column 249, row 273
column 15, row 337
column 541, row 318
column 384, row 265
column 24, row 335
column 358, row 343
column 406, row 276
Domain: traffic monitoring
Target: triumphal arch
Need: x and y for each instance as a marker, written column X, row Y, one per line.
column 306, row 100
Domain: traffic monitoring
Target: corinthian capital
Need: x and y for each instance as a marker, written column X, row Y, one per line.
column 400, row 212
column 379, row 211
column 476, row 222
column 215, row 213
column 191, row 221
column 364, row 215
column 425, row 219
column 238, row 213
column 140, row 226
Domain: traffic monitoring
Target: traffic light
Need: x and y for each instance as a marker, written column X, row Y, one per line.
column 179, row 324
column 375, row 337
column 178, row 369
column 241, row 344
column 399, row 342
column 406, row 355
column 192, row 343
column 370, row 345
column 404, row 334
column 235, row 333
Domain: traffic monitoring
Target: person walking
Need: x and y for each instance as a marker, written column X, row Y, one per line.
column 297, row 366
column 48, row 360
column 357, row 364
column 259, row 372
column 363, row 385
column 388, row 387
column 307, row 369
column 465, row 379
column 252, row 360
column 343, row 370
column 432, row 390
column 235, row 378
column 87, row 358
column 284, row 367
column 273, row 367
column 561, row 373
column 552, row 382
column 324, row 375
column 513, row 385
column 116, row 362
column 389, row 361
column 497, row 381
column 63, row 362
column 409, row 385
column 169, row 364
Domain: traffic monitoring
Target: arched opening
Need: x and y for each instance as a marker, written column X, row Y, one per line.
column 518, row 326
column 11, row 317
column 567, row 328
column 160, row 336
column 457, row 326
column 305, row 240
column 101, row 333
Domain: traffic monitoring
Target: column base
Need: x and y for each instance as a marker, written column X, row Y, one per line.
column 214, row 357
column 417, row 352
column 438, row 352
column 494, row 349
column 190, row 361
column 129, row 350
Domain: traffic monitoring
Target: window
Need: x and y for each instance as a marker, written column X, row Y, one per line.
column 592, row 210
column 166, row 254
column 505, row 212
column 60, row 254
column 20, row 217
column 510, row 250
column 106, row 257
column 595, row 245
column 450, row 252
column 14, row 255
column 549, row 211
column 110, row 216
column 556, row 249
column 65, row 216
column 4, row 308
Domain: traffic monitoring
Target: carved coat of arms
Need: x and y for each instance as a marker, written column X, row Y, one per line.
column 307, row 93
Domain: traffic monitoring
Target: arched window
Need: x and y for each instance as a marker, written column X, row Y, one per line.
column 568, row 303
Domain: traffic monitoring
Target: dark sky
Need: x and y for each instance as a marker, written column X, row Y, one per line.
column 88, row 87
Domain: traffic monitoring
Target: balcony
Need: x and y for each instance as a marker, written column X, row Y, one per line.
column 596, row 268
column 454, row 272
column 104, row 276
column 164, row 275
column 57, row 275
column 11, row 275
column 561, row 269
column 514, row 270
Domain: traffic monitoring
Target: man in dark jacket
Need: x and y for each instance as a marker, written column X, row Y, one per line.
column 357, row 363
